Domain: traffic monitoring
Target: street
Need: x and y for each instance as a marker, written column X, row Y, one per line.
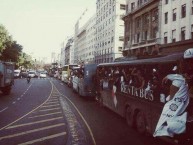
column 48, row 112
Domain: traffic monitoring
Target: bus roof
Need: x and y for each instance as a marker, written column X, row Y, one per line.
column 164, row 59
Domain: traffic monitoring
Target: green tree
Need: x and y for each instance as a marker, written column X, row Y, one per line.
column 4, row 37
column 11, row 52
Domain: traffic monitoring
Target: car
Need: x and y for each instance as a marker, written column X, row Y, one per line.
column 17, row 73
column 31, row 74
column 43, row 75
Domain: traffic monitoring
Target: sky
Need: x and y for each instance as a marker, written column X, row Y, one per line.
column 41, row 26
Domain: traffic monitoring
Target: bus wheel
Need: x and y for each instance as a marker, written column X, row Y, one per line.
column 140, row 123
column 128, row 116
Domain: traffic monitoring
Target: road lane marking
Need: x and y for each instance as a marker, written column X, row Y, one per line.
column 13, row 102
column 35, row 122
column 30, row 111
column 18, row 99
column 51, row 100
column 4, row 109
column 31, row 131
column 45, row 115
column 50, row 105
column 43, row 138
column 48, row 109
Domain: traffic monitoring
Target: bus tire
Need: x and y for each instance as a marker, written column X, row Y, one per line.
column 128, row 116
column 140, row 123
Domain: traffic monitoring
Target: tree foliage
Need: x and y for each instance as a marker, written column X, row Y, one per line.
column 11, row 52
column 4, row 37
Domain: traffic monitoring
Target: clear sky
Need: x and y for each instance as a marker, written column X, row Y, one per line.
column 41, row 26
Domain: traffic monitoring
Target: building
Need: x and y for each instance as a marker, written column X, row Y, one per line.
column 142, row 27
column 84, row 38
column 176, row 25
column 109, row 30
column 158, row 26
column 62, row 57
column 69, row 51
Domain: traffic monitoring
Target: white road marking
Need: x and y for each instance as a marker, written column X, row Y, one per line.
column 45, row 115
column 51, row 105
column 14, row 102
column 4, row 109
column 31, row 131
column 43, row 138
column 35, row 122
column 49, row 109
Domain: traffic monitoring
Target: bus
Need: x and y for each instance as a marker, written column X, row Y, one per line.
column 133, row 89
column 82, row 81
column 66, row 70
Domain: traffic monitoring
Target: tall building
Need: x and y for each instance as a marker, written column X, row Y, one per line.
column 109, row 30
column 176, row 25
column 158, row 26
column 142, row 27
column 84, row 38
column 69, row 51
column 62, row 58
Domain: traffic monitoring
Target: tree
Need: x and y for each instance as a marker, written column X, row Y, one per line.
column 11, row 52
column 4, row 37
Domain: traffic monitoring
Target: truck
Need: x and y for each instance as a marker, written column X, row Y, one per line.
column 6, row 77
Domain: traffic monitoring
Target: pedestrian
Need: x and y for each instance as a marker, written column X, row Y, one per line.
column 174, row 114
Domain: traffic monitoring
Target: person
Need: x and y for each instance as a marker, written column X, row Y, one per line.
column 138, row 79
column 174, row 114
column 28, row 78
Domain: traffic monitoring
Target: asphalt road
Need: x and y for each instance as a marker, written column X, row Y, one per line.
column 46, row 111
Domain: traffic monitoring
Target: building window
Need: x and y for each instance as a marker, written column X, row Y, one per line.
column 183, row 11
column 165, row 38
column 173, row 36
column 121, row 38
column 166, row 17
column 137, row 23
column 132, row 6
column 138, row 37
column 183, row 31
column 166, row 1
column 122, row 7
column 120, row 48
column 174, row 14
column 192, row 10
column 145, row 35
